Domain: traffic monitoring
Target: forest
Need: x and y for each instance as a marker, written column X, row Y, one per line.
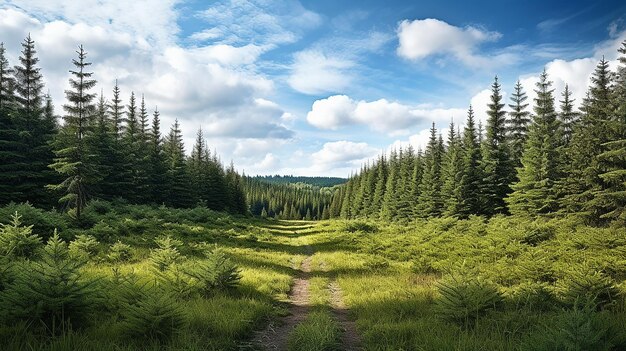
column 507, row 236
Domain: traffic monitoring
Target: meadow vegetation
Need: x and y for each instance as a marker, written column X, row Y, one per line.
column 127, row 277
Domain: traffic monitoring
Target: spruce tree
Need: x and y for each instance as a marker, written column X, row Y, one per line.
column 430, row 202
column 452, row 173
column 379, row 190
column 496, row 162
column 157, row 178
column 535, row 192
column 589, row 140
column 567, row 116
column 471, row 178
column 120, row 182
column 74, row 159
column 7, row 81
column 12, row 147
column 178, row 179
column 518, row 123
column 610, row 200
column 391, row 198
column 35, row 133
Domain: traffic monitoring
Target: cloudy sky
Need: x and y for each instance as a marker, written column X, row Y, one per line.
column 315, row 87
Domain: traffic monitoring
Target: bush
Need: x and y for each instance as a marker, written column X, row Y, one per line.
column 166, row 254
column 52, row 292
column 119, row 252
column 584, row 286
column 17, row 240
column 360, row 226
column 154, row 315
column 217, row 272
column 463, row 298
column 539, row 233
column 44, row 222
column 534, row 296
column 84, row 246
column 576, row 330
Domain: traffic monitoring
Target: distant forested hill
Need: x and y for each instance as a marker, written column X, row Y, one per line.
column 315, row 181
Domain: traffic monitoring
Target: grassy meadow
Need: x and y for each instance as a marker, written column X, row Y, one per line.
column 144, row 278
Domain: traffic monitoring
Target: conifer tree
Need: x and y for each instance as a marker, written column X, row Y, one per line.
column 518, row 123
column 379, row 190
column 567, row 116
column 179, row 191
column 452, row 174
column 430, row 201
column 589, row 140
column 391, row 199
column 7, row 81
column 496, row 162
column 535, row 193
column 610, row 200
column 74, row 160
column 471, row 179
column 103, row 149
column 120, row 182
column 35, row 133
column 12, row 147
column 157, row 178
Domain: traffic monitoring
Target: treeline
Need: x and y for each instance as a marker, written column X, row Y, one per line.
column 288, row 201
column 104, row 149
column 289, row 179
column 544, row 162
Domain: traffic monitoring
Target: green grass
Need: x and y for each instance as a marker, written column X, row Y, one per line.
column 390, row 276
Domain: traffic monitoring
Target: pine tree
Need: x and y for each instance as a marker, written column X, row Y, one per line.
column 7, row 82
column 179, row 191
column 103, row 150
column 119, row 183
column 391, row 198
column 567, row 116
column 35, row 133
column 496, row 163
column 74, row 160
column 452, row 174
column 471, row 179
column 518, row 123
column 12, row 147
column 589, row 140
column 430, row 201
column 611, row 199
column 535, row 193
column 157, row 178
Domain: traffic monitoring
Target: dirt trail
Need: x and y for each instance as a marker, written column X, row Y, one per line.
column 274, row 337
column 350, row 340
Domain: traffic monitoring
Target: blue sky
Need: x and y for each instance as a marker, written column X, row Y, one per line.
column 315, row 87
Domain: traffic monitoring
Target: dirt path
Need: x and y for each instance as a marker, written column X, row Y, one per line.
column 274, row 337
column 350, row 340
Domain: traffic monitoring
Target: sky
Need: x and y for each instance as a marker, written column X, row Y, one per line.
column 315, row 87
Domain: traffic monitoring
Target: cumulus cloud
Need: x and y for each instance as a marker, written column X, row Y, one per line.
column 342, row 153
column 420, row 39
column 381, row 115
column 314, row 72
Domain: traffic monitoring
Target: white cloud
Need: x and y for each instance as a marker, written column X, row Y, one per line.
column 342, row 153
column 420, row 39
column 381, row 115
column 314, row 72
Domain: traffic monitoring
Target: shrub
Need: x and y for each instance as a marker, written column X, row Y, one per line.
column 119, row 252
column 52, row 292
column 575, row 330
column 166, row 254
column 463, row 298
column 535, row 296
column 360, row 226
column 154, row 315
column 217, row 272
column 539, row 233
column 102, row 231
column 84, row 246
column 17, row 240
column 376, row 263
column 44, row 222
column 588, row 287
